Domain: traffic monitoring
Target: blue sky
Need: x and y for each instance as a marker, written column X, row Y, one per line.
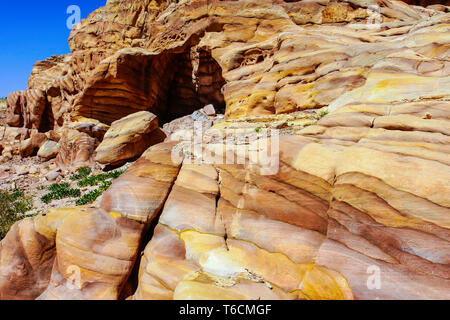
column 33, row 30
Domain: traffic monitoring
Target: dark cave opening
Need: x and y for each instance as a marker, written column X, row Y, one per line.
column 48, row 120
column 196, row 82
column 171, row 85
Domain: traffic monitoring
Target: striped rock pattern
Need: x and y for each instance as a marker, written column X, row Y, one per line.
column 318, row 229
column 280, row 58
column 25, row 109
column 128, row 138
column 87, row 252
column 255, row 57
column 359, row 205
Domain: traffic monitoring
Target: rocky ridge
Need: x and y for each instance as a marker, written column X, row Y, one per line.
column 360, row 191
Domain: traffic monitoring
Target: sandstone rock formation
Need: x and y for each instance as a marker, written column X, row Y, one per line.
column 31, row 146
column 26, row 108
column 360, row 192
column 128, row 138
column 76, row 149
column 48, row 150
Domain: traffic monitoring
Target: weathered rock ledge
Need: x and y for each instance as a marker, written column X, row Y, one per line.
column 359, row 207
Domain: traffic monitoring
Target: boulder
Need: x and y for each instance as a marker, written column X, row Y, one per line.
column 53, row 135
column 76, row 149
column 48, row 150
column 53, row 175
column 31, row 146
column 128, row 138
column 209, row 110
column 92, row 127
column 7, row 153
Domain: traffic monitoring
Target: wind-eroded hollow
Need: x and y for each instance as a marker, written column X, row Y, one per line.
column 170, row 85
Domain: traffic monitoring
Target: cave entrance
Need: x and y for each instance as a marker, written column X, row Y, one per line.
column 196, row 82
column 170, row 85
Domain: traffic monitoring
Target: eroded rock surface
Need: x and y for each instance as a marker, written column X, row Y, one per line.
column 128, row 138
column 358, row 192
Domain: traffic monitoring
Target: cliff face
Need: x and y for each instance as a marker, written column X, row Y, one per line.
column 357, row 208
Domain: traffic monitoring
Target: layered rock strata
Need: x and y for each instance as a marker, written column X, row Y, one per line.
column 357, row 207
column 128, row 138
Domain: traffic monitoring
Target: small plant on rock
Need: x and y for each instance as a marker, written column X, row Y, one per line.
column 13, row 207
column 81, row 174
column 97, row 179
column 89, row 197
column 322, row 114
column 95, row 194
column 60, row 191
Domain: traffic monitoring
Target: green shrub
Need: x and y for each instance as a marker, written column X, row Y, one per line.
column 13, row 207
column 97, row 179
column 89, row 197
column 322, row 114
column 105, row 185
column 60, row 191
column 81, row 174
column 57, row 187
column 93, row 195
